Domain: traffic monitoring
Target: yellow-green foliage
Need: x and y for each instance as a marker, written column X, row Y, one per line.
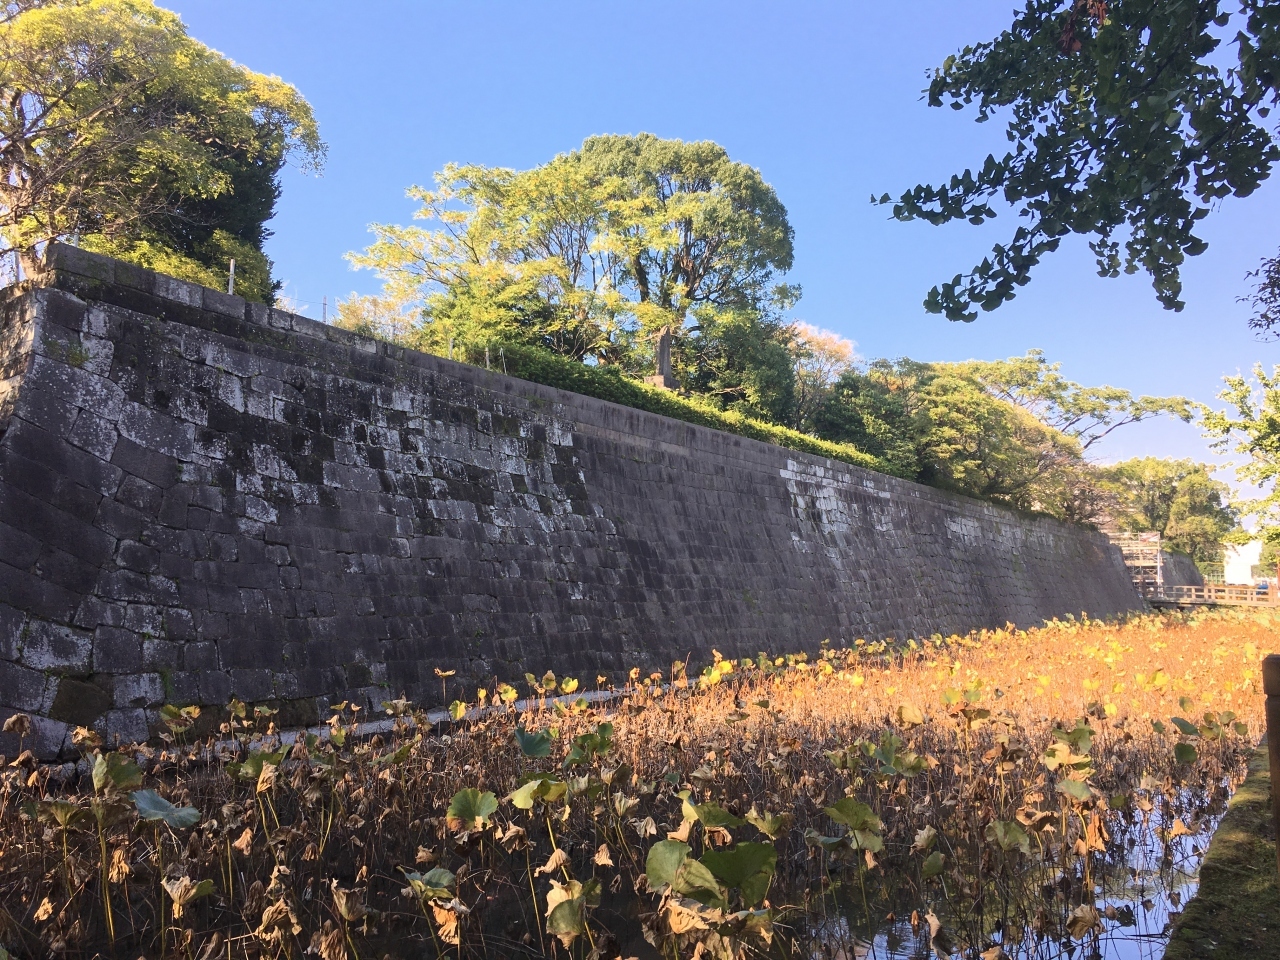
column 117, row 122
column 1007, row 767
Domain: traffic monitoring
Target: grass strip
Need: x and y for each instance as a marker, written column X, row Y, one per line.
column 607, row 383
column 1236, row 912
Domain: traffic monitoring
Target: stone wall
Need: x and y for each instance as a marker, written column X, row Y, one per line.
column 202, row 498
column 1179, row 570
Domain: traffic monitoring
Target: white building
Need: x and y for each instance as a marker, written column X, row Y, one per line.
column 1238, row 561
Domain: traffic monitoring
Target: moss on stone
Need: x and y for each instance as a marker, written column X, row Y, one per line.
column 1236, row 913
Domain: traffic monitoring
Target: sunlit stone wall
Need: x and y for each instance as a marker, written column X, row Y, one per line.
column 202, row 498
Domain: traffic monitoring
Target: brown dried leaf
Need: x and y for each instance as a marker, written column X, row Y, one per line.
column 513, row 839
column 329, row 942
column 425, row 855
column 557, row 860
column 683, row 833
column 448, row 918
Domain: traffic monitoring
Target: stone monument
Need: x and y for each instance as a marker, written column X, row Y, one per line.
column 663, row 377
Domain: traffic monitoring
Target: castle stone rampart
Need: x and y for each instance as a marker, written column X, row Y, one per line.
column 202, row 497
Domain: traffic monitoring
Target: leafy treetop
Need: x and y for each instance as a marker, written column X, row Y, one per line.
column 118, row 128
column 588, row 255
column 1178, row 499
column 1087, row 414
column 1128, row 120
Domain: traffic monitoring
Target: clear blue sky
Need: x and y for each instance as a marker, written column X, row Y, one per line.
column 825, row 99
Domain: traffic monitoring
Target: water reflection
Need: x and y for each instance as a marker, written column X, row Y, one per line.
column 1144, row 877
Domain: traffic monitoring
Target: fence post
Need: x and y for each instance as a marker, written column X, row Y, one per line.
column 1271, row 686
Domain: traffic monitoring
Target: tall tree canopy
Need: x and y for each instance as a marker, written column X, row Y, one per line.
column 1086, row 414
column 1128, row 120
column 591, row 254
column 937, row 424
column 1178, row 499
column 1010, row 430
column 119, row 129
column 1250, row 424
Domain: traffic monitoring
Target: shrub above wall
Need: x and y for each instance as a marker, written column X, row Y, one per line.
column 608, row 383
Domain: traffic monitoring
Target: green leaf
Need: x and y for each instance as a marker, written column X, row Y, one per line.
column 152, row 806
column 541, row 786
column 457, row 710
column 1009, row 835
column 251, row 768
column 770, row 826
column 590, row 745
column 567, row 921
column 695, row 881
column 933, row 865
column 436, row 884
column 1184, row 753
column 1080, row 737
column 1076, row 789
column 470, row 809
column 399, row 755
column 1157, row 726
column 853, row 814
column 115, row 770
column 61, row 812
column 746, row 866
column 714, row 815
column 1185, row 726
column 867, row 840
column 813, row 838
column 664, row 860
column 533, row 744
column 183, row 894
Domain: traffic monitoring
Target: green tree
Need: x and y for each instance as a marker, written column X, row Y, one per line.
column 987, row 447
column 1178, row 499
column 742, row 360
column 119, row 129
column 937, row 423
column 1129, row 120
column 1250, row 425
column 1087, row 414
column 591, row 254
column 880, row 411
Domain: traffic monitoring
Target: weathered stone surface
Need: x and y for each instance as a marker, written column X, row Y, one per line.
column 1180, row 570
column 202, row 498
column 79, row 703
